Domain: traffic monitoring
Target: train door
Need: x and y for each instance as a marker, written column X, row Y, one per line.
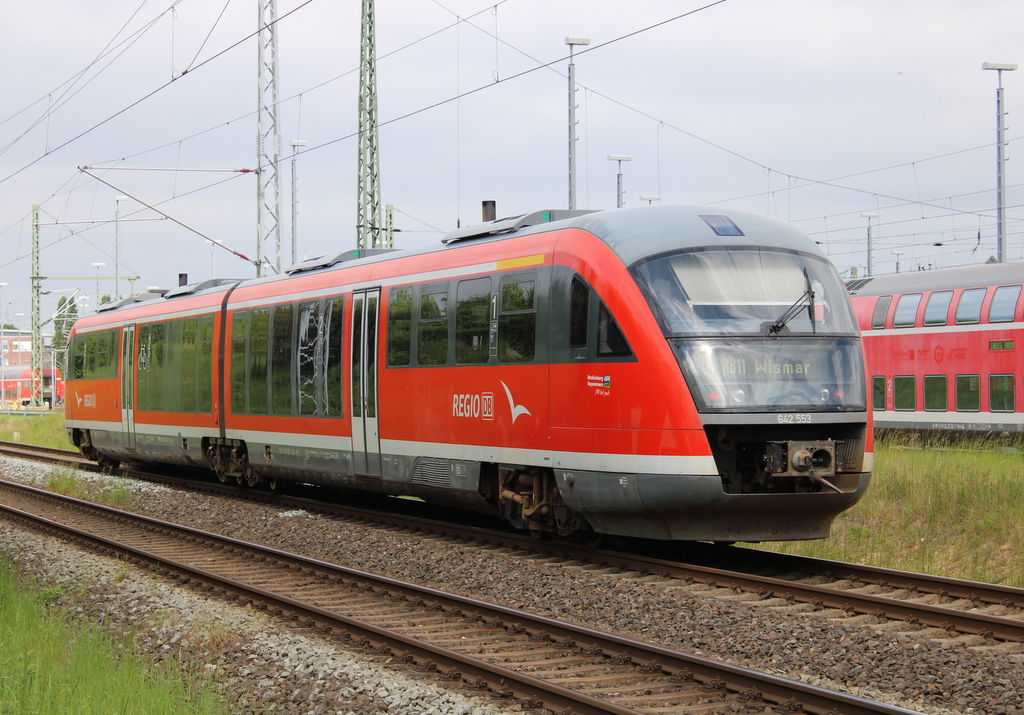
column 128, row 387
column 365, row 434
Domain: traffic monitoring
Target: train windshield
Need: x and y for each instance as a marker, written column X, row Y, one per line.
column 745, row 290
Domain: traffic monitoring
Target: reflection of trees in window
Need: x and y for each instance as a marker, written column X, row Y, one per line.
column 204, row 365
column 400, row 326
column 239, row 324
column 432, row 335
column 334, row 333
column 1001, row 393
column 517, row 323
column 259, row 335
column 935, row 394
column 371, row 356
column 357, row 356
column 968, row 393
column 472, row 325
column 281, row 361
column 189, row 337
column 79, row 347
column 151, row 367
column 878, row 393
column 905, row 392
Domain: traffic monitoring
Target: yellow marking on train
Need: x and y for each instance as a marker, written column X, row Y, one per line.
column 523, row 262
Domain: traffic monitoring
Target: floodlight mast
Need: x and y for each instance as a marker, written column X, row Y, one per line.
column 573, row 42
column 1000, row 67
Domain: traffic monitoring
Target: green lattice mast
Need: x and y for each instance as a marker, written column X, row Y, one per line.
column 368, row 213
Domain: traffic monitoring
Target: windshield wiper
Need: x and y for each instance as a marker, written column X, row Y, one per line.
column 806, row 299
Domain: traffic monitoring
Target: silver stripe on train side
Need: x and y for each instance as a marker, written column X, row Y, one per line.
column 932, row 329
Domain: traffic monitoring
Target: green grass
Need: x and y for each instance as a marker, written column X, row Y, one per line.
column 50, row 665
column 956, row 510
column 44, row 429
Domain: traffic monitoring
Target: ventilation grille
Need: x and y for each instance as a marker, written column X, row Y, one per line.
column 432, row 473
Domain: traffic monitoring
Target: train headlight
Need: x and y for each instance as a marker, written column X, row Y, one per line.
column 739, row 397
column 826, row 394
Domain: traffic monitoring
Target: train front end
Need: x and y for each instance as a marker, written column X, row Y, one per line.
column 763, row 332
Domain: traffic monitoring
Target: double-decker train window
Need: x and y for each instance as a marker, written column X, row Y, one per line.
column 472, row 323
column 881, row 310
column 936, row 397
column 968, row 308
column 905, row 315
column 904, row 392
column 936, row 310
column 517, row 319
column 878, row 392
column 1002, row 392
column 968, row 393
column 1004, row 304
column 432, row 327
column 399, row 326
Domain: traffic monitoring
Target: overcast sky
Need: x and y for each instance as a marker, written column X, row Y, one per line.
column 813, row 112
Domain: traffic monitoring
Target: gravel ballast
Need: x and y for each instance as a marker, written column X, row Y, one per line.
column 296, row 673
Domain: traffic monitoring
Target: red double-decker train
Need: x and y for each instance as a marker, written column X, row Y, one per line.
column 943, row 347
column 663, row 372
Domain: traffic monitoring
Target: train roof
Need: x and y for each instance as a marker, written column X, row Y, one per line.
column 632, row 233
column 988, row 274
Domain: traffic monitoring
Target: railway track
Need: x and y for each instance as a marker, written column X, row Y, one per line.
column 475, row 645
column 978, row 612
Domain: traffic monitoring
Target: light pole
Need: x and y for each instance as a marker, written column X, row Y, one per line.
column 117, row 246
column 573, row 42
column 3, row 349
column 213, row 258
column 869, row 217
column 1000, row 67
column 98, row 266
column 621, row 200
column 650, row 199
column 898, row 254
column 296, row 143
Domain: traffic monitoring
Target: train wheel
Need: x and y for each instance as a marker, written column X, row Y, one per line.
column 108, row 462
column 538, row 534
column 592, row 540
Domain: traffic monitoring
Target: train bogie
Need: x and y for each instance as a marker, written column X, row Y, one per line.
column 665, row 372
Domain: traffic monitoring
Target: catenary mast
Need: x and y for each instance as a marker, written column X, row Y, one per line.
column 368, row 208
column 268, row 149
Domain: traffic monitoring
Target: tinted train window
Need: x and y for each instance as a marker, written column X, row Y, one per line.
column 517, row 320
column 610, row 340
column 151, row 367
column 1004, row 304
column 432, row 328
column 204, row 365
column 94, row 355
column 936, row 311
column 472, row 323
column 968, row 309
column 281, row 369
column 935, row 393
column 906, row 311
column 905, row 392
column 400, row 326
column 256, row 360
column 579, row 312
column 239, row 331
column 968, row 393
column 881, row 309
column 1001, row 393
column 878, row 392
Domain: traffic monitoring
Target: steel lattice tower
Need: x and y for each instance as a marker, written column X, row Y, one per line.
column 368, row 213
column 268, row 148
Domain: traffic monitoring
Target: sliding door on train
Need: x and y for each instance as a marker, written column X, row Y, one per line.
column 365, row 434
column 128, row 387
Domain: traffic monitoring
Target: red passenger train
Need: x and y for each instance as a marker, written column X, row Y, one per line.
column 942, row 347
column 663, row 372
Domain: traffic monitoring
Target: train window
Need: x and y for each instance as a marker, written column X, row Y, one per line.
column 906, row 311
column 1002, row 392
column 432, row 328
column 610, row 340
column 472, row 324
column 904, row 392
column 400, row 326
column 281, row 368
column 881, row 310
column 79, row 353
column 309, row 356
column 968, row 393
column 239, row 331
column 936, row 310
column 335, row 323
column 1004, row 304
column 878, row 392
column 579, row 313
column 189, row 337
column 968, row 309
column 935, row 393
column 256, row 360
column 204, row 365
column 517, row 319
column 152, row 344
